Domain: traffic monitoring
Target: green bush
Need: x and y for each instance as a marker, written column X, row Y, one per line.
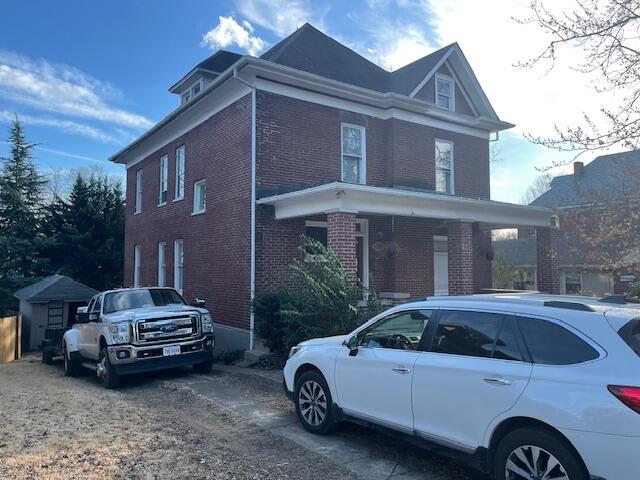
column 319, row 300
column 634, row 291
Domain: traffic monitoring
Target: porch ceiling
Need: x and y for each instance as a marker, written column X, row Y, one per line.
column 347, row 197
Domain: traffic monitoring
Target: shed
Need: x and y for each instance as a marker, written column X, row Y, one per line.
column 51, row 302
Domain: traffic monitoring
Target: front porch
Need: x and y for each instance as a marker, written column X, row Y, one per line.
column 399, row 242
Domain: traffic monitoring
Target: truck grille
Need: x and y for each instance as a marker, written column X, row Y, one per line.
column 167, row 329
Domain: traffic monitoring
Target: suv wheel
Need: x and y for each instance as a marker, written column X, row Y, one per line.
column 105, row 371
column 534, row 453
column 313, row 403
column 70, row 366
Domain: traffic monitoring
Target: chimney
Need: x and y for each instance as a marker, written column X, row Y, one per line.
column 578, row 168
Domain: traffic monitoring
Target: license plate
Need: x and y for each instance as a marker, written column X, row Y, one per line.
column 171, row 350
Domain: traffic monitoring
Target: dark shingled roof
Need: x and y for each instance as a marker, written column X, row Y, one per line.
column 219, row 61
column 56, row 288
column 608, row 177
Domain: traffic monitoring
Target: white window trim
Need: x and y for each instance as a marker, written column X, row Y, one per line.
column 195, row 197
column 162, row 264
column 564, row 280
column 184, row 173
column 163, row 172
column 453, row 165
column 137, row 267
column 451, row 80
column 190, row 93
column 175, row 264
column 363, row 170
column 138, row 192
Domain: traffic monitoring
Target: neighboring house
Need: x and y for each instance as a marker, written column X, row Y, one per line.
column 390, row 170
column 598, row 207
column 51, row 302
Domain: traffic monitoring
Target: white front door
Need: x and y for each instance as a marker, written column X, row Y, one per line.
column 440, row 266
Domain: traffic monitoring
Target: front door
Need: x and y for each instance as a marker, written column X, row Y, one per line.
column 440, row 266
column 375, row 383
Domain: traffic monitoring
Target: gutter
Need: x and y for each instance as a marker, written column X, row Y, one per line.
column 253, row 204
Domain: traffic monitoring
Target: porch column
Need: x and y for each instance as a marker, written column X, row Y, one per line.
column 548, row 271
column 341, row 238
column 460, row 241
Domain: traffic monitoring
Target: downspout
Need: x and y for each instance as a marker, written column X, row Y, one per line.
column 253, row 204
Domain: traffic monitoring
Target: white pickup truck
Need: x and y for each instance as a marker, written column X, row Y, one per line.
column 137, row 330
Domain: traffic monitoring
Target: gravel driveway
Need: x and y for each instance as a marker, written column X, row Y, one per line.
column 230, row 424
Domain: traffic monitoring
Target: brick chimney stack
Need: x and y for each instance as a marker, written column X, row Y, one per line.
column 578, row 168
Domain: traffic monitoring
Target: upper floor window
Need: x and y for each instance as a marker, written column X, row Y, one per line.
column 164, row 180
column 178, row 265
column 444, row 166
column 162, row 264
column 199, row 196
column 353, row 154
column 136, row 266
column 180, row 159
column 138, row 202
column 445, row 92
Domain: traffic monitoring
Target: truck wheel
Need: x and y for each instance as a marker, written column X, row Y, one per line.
column 70, row 366
column 204, row 367
column 47, row 357
column 106, row 373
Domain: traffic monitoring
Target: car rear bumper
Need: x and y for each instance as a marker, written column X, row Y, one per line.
column 129, row 359
column 607, row 457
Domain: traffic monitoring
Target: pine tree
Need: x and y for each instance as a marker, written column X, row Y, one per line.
column 21, row 188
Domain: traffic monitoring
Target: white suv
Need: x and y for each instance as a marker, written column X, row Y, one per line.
column 526, row 386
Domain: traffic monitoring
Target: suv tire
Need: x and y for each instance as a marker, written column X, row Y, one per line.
column 518, row 448
column 71, row 367
column 314, row 406
column 109, row 378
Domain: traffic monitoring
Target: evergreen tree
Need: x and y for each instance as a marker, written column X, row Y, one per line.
column 21, row 188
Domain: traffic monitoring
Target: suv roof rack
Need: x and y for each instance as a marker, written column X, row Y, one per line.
column 569, row 305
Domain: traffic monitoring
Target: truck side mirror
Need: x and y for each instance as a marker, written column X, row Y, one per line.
column 82, row 317
column 352, row 345
column 198, row 302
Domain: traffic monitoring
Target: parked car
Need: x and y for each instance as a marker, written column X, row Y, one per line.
column 524, row 386
column 135, row 330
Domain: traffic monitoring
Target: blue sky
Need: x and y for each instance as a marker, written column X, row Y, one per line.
column 88, row 77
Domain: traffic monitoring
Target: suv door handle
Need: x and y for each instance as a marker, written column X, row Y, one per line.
column 497, row 381
column 401, row 370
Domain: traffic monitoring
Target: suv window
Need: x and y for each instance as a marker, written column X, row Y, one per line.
column 551, row 344
column 400, row 331
column 477, row 334
column 630, row 333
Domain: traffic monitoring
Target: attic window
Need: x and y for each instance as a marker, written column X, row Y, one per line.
column 445, row 92
column 192, row 92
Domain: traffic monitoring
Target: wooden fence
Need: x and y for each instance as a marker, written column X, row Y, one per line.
column 10, row 338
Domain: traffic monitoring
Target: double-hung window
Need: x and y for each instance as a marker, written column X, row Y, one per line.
column 162, row 264
column 445, row 92
column 199, row 196
column 180, row 160
column 444, row 166
column 164, row 180
column 136, row 266
column 138, row 201
column 178, row 265
column 353, row 154
column 572, row 282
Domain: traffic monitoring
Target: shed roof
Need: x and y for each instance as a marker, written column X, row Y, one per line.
column 55, row 288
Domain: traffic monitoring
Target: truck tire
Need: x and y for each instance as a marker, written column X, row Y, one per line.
column 109, row 378
column 71, row 367
column 204, row 367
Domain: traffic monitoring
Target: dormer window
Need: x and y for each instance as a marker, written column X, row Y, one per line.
column 191, row 92
column 445, row 92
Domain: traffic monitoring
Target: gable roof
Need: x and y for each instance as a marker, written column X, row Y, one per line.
column 216, row 64
column 56, row 288
column 607, row 178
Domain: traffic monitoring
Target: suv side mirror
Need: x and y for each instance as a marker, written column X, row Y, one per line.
column 352, row 345
column 198, row 303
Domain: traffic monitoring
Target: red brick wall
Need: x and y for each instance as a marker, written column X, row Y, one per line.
column 341, row 238
column 460, row 241
column 548, row 271
column 216, row 243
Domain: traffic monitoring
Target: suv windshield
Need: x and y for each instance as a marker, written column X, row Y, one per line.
column 140, row 298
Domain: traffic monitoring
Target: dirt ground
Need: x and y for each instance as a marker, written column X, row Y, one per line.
column 160, row 427
column 55, row 427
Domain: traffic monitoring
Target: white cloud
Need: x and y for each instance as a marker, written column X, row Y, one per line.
column 68, row 126
column 281, row 17
column 229, row 32
column 62, row 89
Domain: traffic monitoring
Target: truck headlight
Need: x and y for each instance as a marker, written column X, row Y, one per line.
column 120, row 332
column 207, row 323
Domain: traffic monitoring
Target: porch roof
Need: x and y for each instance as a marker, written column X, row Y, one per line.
column 348, row 197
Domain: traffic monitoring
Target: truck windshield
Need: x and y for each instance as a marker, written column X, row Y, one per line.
column 140, row 298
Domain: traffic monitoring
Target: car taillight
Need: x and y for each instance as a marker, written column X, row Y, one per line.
column 630, row 396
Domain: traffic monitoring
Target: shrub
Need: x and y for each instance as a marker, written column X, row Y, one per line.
column 269, row 324
column 634, row 291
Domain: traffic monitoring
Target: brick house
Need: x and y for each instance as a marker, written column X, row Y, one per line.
column 598, row 207
column 391, row 170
